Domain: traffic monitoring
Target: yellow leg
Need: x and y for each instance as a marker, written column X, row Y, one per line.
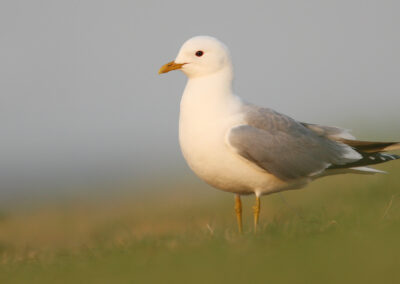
column 238, row 210
column 256, row 210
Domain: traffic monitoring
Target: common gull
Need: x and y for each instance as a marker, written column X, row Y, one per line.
column 245, row 149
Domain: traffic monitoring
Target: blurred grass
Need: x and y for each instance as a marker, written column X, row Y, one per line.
column 342, row 229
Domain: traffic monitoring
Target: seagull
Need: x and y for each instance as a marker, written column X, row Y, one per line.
column 245, row 149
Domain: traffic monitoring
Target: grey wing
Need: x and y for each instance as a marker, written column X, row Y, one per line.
column 284, row 147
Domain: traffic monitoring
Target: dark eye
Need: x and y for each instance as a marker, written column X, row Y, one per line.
column 199, row 53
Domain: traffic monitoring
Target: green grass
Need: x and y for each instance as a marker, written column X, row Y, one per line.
column 343, row 229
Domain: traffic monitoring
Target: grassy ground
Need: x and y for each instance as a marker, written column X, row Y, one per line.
column 343, row 229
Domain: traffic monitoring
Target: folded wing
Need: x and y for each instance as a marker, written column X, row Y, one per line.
column 285, row 147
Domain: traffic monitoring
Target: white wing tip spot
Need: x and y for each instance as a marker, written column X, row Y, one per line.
column 352, row 155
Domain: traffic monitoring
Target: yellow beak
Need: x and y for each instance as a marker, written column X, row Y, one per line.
column 170, row 66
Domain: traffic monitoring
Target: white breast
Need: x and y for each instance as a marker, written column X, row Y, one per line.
column 205, row 120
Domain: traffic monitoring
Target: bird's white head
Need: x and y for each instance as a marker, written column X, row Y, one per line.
column 200, row 56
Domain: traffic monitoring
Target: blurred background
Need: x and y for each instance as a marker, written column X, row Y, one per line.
column 84, row 115
column 81, row 101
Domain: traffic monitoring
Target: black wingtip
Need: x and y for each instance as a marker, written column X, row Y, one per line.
column 369, row 159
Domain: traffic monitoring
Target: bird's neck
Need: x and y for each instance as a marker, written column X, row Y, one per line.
column 214, row 89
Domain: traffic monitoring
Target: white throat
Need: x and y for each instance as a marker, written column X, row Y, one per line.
column 209, row 91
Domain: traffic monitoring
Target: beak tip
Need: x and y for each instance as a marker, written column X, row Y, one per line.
column 162, row 70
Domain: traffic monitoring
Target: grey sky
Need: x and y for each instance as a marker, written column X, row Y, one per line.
column 80, row 95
